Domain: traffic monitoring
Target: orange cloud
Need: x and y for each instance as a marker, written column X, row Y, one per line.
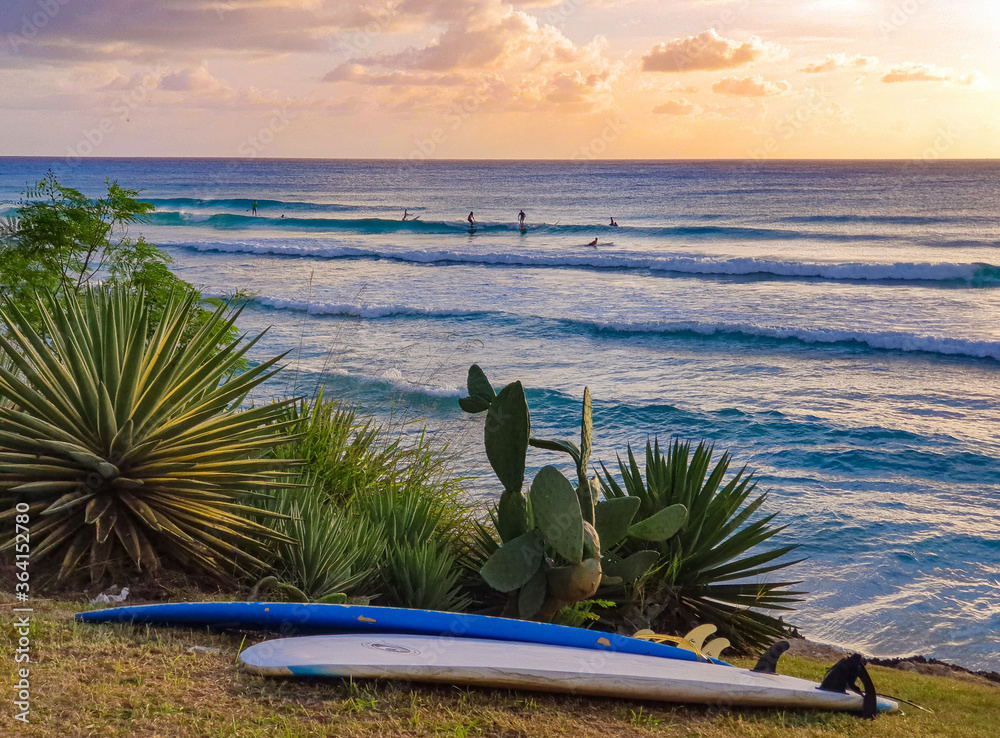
column 360, row 74
column 488, row 44
column 677, row 107
column 706, row 51
column 841, row 60
column 913, row 72
column 755, row 86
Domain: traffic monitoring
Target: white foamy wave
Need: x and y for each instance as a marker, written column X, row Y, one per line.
column 877, row 340
column 861, row 271
column 397, row 381
column 883, row 340
column 355, row 310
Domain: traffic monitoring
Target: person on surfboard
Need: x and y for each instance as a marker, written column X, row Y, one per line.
column 472, row 222
column 613, row 224
column 406, row 214
column 593, row 243
column 520, row 219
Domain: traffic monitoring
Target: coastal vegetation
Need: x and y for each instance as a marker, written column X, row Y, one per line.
column 60, row 242
column 713, row 570
column 130, row 430
column 125, row 439
column 556, row 542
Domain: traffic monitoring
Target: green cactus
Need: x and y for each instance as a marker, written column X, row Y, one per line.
column 556, row 511
column 513, row 519
column 515, row 562
column 661, row 525
column 481, row 392
column 629, row 568
column 531, row 597
column 613, row 517
column 508, row 427
column 552, row 539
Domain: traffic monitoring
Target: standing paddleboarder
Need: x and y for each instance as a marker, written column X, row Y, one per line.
column 520, row 219
column 472, row 222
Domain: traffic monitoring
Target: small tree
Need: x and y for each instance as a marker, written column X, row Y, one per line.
column 61, row 241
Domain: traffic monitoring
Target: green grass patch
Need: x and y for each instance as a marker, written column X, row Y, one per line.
column 142, row 681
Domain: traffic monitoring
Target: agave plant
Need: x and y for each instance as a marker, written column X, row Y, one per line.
column 126, row 440
column 330, row 553
column 423, row 576
column 708, row 572
column 420, row 567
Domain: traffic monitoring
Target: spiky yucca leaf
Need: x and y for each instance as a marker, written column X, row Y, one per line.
column 333, row 551
column 709, row 572
column 129, row 443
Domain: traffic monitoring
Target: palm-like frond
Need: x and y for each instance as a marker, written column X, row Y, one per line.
column 128, row 443
column 706, row 573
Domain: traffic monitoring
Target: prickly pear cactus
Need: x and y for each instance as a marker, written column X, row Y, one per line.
column 550, row 556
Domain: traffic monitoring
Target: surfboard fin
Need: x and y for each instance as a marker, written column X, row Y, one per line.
column 768, row 663
column 845, row 674
column 715, row 647
column 696, row 636
column 694, row 641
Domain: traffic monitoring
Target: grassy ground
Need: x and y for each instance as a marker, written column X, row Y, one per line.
column 124, row 681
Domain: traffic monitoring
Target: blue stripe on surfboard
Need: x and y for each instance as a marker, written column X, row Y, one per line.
column 289, row 618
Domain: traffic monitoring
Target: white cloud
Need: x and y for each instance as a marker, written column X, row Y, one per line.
column 488, row 44
column 192, row 80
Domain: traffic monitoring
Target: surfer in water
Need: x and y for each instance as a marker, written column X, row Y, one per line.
column 613, row 224
column 593, row 243
column 406, row 214
column 520, row 219
column 472, row 222
column 253, row 208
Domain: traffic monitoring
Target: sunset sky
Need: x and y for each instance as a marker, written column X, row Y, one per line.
column 493, row 79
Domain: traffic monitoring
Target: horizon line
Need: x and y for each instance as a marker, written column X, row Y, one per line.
column 411, row 160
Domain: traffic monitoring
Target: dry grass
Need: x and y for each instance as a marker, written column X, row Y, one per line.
column 125, row 681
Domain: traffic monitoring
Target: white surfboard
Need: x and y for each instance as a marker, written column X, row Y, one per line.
column 539, row 667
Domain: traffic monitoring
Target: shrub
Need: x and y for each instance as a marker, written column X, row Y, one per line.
column 60, row 241
column 381, row 517
column 347, row 453
column 327, row 551
column 128, row 444
column 424, row 538
column 706, row 573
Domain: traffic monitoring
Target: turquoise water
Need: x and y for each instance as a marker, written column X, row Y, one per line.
column 835, row 325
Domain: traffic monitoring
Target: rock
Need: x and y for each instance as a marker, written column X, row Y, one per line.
column 812, row 650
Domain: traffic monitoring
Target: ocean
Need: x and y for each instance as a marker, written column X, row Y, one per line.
column 835, row 325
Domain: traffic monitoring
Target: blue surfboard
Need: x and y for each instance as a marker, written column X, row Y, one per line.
column 292, row 618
